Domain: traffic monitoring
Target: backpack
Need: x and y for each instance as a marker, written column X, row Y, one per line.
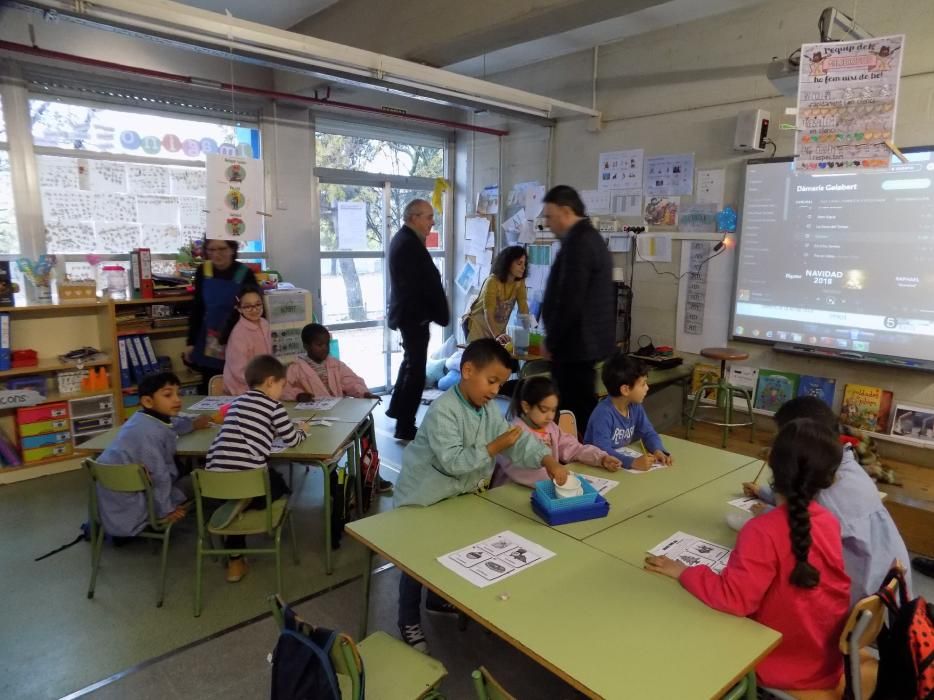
column 906, row 646
column 342, row 503
column 369, row 468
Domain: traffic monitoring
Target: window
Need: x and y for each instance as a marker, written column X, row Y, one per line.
column 376, row 155
column 9, row 237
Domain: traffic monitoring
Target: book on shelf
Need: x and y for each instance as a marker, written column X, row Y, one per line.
column 743, row 377
column 822, row 388
column 704, row 373
column 914, row 422
column 775, row 388
column 866, row 408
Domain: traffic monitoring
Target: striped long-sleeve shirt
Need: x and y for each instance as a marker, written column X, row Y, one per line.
column 245, row 439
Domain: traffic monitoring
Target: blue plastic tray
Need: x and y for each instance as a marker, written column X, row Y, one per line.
column 545, row 492
column 589, row 511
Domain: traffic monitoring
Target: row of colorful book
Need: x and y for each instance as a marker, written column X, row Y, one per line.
column 862, row 407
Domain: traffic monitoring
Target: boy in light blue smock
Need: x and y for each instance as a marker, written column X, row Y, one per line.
column 454, row 452
column 620, row 420
column 148, row 438
column 871, row 541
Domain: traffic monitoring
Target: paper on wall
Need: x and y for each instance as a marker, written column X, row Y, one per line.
column 698, row 218
column 466, row 277
column 669, row 175
column 662, row 211
column 235, row 197
column 488, row 200
column 654, row 248
column 596, row 201
column 514, row 222
column 626, row 202
column 351, row 226
column 693, row 551
column 476, row 227
column 475, row 246
column 620, row 170
column 710, row 184
column 495, row 558
column 526, row 232
column 619, row 243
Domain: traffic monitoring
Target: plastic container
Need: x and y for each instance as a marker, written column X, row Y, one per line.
column 587, row 511
column 115, row 281
column 545, row 493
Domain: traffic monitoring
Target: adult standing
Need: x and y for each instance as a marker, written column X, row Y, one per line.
column 218, row 282
column 578, row 308
column 416, row 299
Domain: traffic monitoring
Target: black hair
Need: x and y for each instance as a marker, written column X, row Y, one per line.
column 485, row 351
column 312, row 331
column 807, row 407
column 261, row 368
column 622, row 370
column 804, row 459
column 152, row 383
column 233, row 245
column 235, row 312
column 533, row 390
column 504, row 261
column 564, row 196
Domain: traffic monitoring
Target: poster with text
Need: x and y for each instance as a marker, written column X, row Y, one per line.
column 671, row 175
column 847, row 94
column 620, row 170
column 235, row 197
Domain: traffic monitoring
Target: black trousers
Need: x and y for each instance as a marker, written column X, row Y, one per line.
column 575, row 382
column 410, row 382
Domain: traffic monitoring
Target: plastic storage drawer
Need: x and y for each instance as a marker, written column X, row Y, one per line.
column 94, row 424
column 45, row 426
column 47, row 452
column 35, row 441
column 92, row 405
column 45, row 411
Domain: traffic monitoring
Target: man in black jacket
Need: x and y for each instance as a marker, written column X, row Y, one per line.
column 416, row 299
column 579, row 307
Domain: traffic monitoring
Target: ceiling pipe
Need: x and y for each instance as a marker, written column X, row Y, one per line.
column 325, row 101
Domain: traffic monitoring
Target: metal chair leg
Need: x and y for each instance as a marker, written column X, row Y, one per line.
column 367, row 577
column 728, row 408
column 752, row 418
column 326, row 472
column 694, row 405
column 198, row 567
column 279, row 561
column 165, row 556
column 291, row 525
column 97, row 544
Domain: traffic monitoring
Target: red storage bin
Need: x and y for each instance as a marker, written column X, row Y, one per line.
column 45, row 411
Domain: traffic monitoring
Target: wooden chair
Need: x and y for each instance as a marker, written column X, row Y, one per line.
column 388, row 668
column 861, row 629
column 488, row 688
column 124, row 478
column 216, row 385
column 231, row 519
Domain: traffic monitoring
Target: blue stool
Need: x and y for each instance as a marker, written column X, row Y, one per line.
column 724, row 393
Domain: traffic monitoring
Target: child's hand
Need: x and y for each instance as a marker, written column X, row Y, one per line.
column 303, row 397
column 504, row 441
column 370, row 395
column 611, row 464
column 664, row 566
column 662, row 457
column 201, row 422
column 750, row 489
column 643, row 463
column 759, row 508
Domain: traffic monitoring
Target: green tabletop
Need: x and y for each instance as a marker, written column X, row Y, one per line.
column 694, row 465
column 701, row 512
column 609, row 629
column 322, row 442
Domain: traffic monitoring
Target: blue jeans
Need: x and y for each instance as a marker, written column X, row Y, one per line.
column 410, row 600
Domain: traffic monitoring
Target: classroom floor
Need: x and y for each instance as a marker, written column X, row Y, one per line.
column 121, row 646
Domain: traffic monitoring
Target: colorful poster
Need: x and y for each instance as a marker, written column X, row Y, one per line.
column 620, row 170
column 662, row 211
column 847, row 96
column 235, row 197
column 669, row 175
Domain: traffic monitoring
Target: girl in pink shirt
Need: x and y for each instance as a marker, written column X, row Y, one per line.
column 534, row 406
column 786, row 571
column 250, row 337
column 318, row 374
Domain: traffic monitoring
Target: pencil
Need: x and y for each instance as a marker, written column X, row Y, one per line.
column 761, row 469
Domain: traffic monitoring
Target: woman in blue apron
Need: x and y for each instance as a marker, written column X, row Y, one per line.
column 217, row 284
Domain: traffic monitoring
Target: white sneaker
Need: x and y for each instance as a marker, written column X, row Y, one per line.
column 414, row 637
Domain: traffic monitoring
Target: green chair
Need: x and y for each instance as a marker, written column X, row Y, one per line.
column 724, row 393
column 386, row 667
column 125, row 478
column 230, row 519
column 487, row 688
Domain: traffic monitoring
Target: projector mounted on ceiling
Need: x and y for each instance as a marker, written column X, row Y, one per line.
column 834, row 25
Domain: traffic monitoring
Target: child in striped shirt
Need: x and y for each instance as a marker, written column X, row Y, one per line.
column 253, row 422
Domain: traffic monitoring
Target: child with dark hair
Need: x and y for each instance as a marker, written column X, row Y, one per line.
column 453, row 453
column 248, row 337
column 317, row 374
column 149, row 438
column 871, row 541
column 787, row 570
column 501, row 291
column 253, row 421
column 620, row 419
column 533, row 408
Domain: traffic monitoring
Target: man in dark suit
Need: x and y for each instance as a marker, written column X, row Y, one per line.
column 579, row 306
column 416, row 299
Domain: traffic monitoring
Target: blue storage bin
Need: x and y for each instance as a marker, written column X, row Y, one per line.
column 43, row 440
column 545, row 491
column 599, row 508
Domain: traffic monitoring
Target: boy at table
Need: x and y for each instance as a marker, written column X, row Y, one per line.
column 148, row 438
column 454, row 452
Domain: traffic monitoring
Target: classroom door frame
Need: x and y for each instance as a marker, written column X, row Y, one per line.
column 387, row 183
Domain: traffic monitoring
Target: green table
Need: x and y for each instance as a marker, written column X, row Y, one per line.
column 701, row 512
column 631, row 635
column 694, row 465
column 323, row 447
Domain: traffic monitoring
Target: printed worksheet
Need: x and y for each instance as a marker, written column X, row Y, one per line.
column 211, row 403
column 693, row 551
column 746, row 503
column 635, row 454
column 600, row 484
column 325, row 404
column 495, row 558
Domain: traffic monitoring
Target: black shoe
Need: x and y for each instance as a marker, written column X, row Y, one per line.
column 414, row 637
column 405, row 435
column 441, row 607
column 383, row 486
column 924, row 565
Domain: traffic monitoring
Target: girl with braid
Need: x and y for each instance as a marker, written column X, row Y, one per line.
column 787, row 571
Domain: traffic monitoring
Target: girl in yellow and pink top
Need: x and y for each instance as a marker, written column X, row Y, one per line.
column 320, row 375
column 501, row 291
column 248, row 338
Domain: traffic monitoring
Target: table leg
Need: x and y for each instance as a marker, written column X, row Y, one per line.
column 326, row 473
column 367, row 575
column 355, row 467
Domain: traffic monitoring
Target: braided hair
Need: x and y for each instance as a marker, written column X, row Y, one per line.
column 804, row 460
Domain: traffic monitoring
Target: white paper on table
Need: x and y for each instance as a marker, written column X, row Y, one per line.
column 746, row 503
column 693, row 551
column 599, row 483
column 477, row 227
column 211, row 403
column 324, row 404
column 494, row 559
column 635, row 454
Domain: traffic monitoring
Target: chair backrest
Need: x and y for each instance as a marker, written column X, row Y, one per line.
column 216, row 385
column 123, row 478
column 567, row 422
column 230, row 486
column 487, row 687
